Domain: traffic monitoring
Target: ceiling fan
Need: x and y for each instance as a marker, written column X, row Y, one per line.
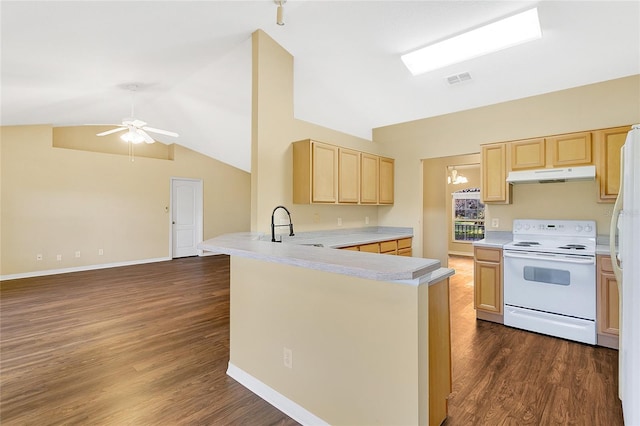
column 136, row 129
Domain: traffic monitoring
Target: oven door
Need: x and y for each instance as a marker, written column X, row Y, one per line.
column 553, row 283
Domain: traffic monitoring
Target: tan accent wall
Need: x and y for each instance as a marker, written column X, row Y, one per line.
column 59, row 201
column 607, row 104
column 359, row 347
column 84, row 138
column 274, row 129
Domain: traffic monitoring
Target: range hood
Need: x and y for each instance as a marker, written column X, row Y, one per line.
column 553, row 175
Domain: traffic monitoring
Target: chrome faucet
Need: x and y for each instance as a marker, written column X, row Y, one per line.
column 273, row 225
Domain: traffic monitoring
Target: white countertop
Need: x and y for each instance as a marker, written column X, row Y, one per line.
column 495, row 239
column 364, row 265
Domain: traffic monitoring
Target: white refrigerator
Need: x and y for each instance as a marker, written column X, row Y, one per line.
column 626, row 224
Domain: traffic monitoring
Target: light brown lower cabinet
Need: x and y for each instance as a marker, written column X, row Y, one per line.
column 370, row 248
column 401, row 247
column 487, row 284
column 608, row 306
column 404, row 247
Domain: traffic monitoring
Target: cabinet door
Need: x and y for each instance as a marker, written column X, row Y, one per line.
column 608, row 305
column 487, row 287
column 348, row 176
column 488, row 280
column 608, row 301
column 529, row 154
column 386, row 180
column 608, row 143
column 493, row 185
column 569, row 150
column 325, row 173
column 368, row 178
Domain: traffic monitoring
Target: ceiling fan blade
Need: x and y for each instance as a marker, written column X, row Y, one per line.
column 108, row 132
column 160, row 131
column 145, row 135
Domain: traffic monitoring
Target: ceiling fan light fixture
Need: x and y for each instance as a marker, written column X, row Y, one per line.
column 132, row 137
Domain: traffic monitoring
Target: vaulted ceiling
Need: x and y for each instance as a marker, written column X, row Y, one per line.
column 68, row 63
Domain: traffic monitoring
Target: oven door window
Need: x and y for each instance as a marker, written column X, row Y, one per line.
column 547, row 275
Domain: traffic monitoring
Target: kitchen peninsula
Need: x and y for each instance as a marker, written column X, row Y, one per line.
column 336, row 336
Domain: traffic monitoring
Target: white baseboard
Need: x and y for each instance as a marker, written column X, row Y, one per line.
column 80, row 268
column 281, row 402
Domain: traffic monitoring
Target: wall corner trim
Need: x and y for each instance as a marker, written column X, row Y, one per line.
column 281, row 402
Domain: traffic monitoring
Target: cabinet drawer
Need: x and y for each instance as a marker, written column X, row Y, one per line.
column 488, row 254
column 353, row 248
column 405, row 252
column 371, row 248
column 605, row 264
column 404, row 243
column 388, row 246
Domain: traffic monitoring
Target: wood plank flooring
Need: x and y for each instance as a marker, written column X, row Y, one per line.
column 139, row 345
column 149, row 344
column 506, row 376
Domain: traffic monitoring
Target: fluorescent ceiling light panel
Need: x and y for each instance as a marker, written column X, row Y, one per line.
column 499, row 35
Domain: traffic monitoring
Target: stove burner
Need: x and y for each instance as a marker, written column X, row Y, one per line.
column 573, row 247
column 526, row 243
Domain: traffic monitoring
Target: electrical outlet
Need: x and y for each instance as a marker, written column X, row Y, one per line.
column 339, row 221
column 366, row 220
column 495, row 223
column 100, row 252
column 287, row 357
column 38, row 257
column 78, row 253
column 58, row 257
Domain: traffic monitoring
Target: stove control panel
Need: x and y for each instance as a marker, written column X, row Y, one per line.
column 566, row 228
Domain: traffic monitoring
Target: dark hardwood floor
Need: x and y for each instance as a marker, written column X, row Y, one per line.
column 148, row 345
column 506, row 376
column 139, row 345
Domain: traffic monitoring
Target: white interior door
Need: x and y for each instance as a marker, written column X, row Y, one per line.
column 186, row 217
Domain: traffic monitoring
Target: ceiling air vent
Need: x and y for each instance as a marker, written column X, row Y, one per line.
column 458, row 78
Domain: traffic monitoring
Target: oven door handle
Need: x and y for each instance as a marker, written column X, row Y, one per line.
column 552, row 257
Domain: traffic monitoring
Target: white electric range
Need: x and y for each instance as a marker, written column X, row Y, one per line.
column 550, row 278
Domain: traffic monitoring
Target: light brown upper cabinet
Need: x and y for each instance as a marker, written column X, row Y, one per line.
column 608, row 143
column 328, row 174
column 493, row 168
column 527, row 154
column 348, row 176
column 369, row 178
column 315, row 172
column 573, row 149
column 599, row 147
column 386, row 182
